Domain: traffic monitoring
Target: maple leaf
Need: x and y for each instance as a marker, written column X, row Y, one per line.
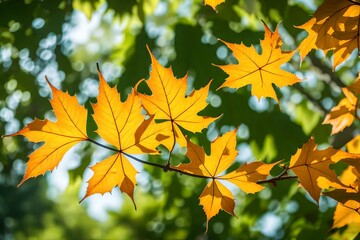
column 260, row 70
column 213, row 3
column 348, row 209
column 122, row 125
column 58, row 137
column 335, row 25
column 246, row 176
column 223, row 153
column 343, row 114
column 168, row 102
column 312, row 167
column 344, row 216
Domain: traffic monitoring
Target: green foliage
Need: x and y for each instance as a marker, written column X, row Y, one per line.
column 187, row 40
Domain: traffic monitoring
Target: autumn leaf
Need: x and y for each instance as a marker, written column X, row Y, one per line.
column 246, row 176
column 351, row 177
column 335, row 25
column 124, row 126
column 215, row 197
column 312, row 167
column 169, row 102
column 350, row 199
column 260, row 70
column 343, row 114
column 213, row 3
column 223, row 153
column 348, row 209
column 58, row 137
column 344, row 216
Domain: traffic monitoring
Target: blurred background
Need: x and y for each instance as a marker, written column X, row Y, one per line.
column 64, row 40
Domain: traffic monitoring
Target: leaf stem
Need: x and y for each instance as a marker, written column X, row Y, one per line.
column 167, row 165
column 102, row 145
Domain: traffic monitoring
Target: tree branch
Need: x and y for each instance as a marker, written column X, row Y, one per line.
column 281, row 177
column 165, row 167
column 314, row 101
column 317, row 63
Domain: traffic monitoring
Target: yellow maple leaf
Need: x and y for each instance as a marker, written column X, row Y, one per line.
column 348, row 209
column 169, row 102
column 124, row 126
column 343, row 114
column 312, row 167
column 215, row 197
column 213, row 3
column 260, row 70
column 335, row 25
column 223, row 153
column 59, row 136
column 246, row 176
column 344, row 216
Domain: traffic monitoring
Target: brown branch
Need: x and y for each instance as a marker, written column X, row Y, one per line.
column 314, row 101
column 276, row 179
column 165, row 167
column 281, row 177
column 325, row 69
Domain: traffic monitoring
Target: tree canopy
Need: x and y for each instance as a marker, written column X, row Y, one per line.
column 190, row 108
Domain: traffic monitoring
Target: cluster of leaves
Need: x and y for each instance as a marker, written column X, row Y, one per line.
column 170, row 113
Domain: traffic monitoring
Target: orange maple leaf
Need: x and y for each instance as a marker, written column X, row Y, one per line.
column 343, row 114
column 59, row 136
column 213, row 3
column 312, row 167
column 223, row 153
column 260, row 70
column 348, row 209
column 344, row 216
column 169, row 103
column 122, row 125
column 335, row 25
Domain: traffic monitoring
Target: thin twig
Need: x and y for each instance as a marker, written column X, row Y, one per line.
column 325, row 69
column 314, row 101
column 282, row 176
column 276, row 179
column 165, row 167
